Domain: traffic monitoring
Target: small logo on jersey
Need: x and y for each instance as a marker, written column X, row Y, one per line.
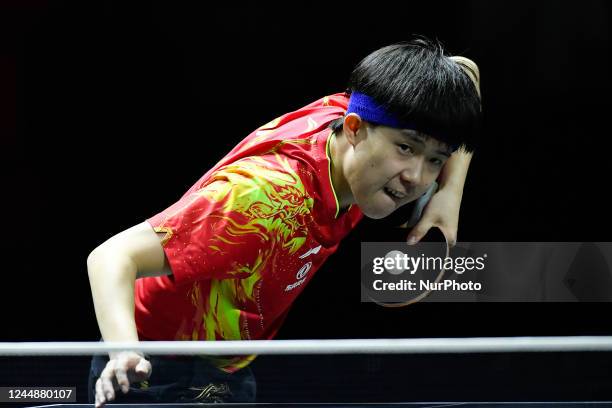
column 303, row 271
column 311, row 251
column 300, row 276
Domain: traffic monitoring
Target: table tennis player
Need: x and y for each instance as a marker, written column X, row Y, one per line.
column 226, row 261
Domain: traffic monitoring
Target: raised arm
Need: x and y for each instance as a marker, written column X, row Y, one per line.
column 442, row 211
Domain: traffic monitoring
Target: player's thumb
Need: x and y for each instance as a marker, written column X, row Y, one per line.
column 143, row 368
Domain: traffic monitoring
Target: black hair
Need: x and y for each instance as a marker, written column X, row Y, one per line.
column 417, row 83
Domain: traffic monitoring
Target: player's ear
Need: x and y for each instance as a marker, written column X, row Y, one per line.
column 352, row 123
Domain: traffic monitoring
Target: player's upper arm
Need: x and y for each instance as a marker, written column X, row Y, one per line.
column 141, row 245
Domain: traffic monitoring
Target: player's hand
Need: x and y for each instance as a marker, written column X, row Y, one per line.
column 442, row 211
column 122, row 369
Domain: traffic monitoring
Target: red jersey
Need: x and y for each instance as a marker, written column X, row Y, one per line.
column 248, row 236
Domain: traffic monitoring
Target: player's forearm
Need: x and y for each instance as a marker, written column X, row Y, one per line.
column 112, row 280
column 453, row 174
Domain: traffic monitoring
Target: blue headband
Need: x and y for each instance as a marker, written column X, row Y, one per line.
column 370, row 111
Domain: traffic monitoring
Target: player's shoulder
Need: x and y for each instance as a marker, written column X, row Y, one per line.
column 259, row 184
column 277, row 168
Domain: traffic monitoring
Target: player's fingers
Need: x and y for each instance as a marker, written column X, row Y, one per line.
column 418, row 231
column 100, row 403
column 106, row 378
column 122, row 379
column 100, row 398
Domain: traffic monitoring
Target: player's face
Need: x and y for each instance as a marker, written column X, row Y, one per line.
column 391, row 167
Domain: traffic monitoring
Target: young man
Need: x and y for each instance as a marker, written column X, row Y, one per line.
column 227, row 260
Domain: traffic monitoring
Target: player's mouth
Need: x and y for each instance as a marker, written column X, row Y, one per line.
column 397, row 195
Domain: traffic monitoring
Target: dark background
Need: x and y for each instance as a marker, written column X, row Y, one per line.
column 111, row 110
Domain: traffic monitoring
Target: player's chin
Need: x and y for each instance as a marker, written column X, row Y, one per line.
column 378, row 209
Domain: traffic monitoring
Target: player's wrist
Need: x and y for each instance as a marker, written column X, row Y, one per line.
column 451, row 186
column 125, row 353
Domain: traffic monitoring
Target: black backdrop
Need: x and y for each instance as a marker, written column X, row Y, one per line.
column 110, row 111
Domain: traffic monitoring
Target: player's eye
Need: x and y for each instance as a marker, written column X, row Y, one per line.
column 436, row 162
column 405, row 148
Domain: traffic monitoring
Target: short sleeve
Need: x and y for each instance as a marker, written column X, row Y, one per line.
column 231, row 226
